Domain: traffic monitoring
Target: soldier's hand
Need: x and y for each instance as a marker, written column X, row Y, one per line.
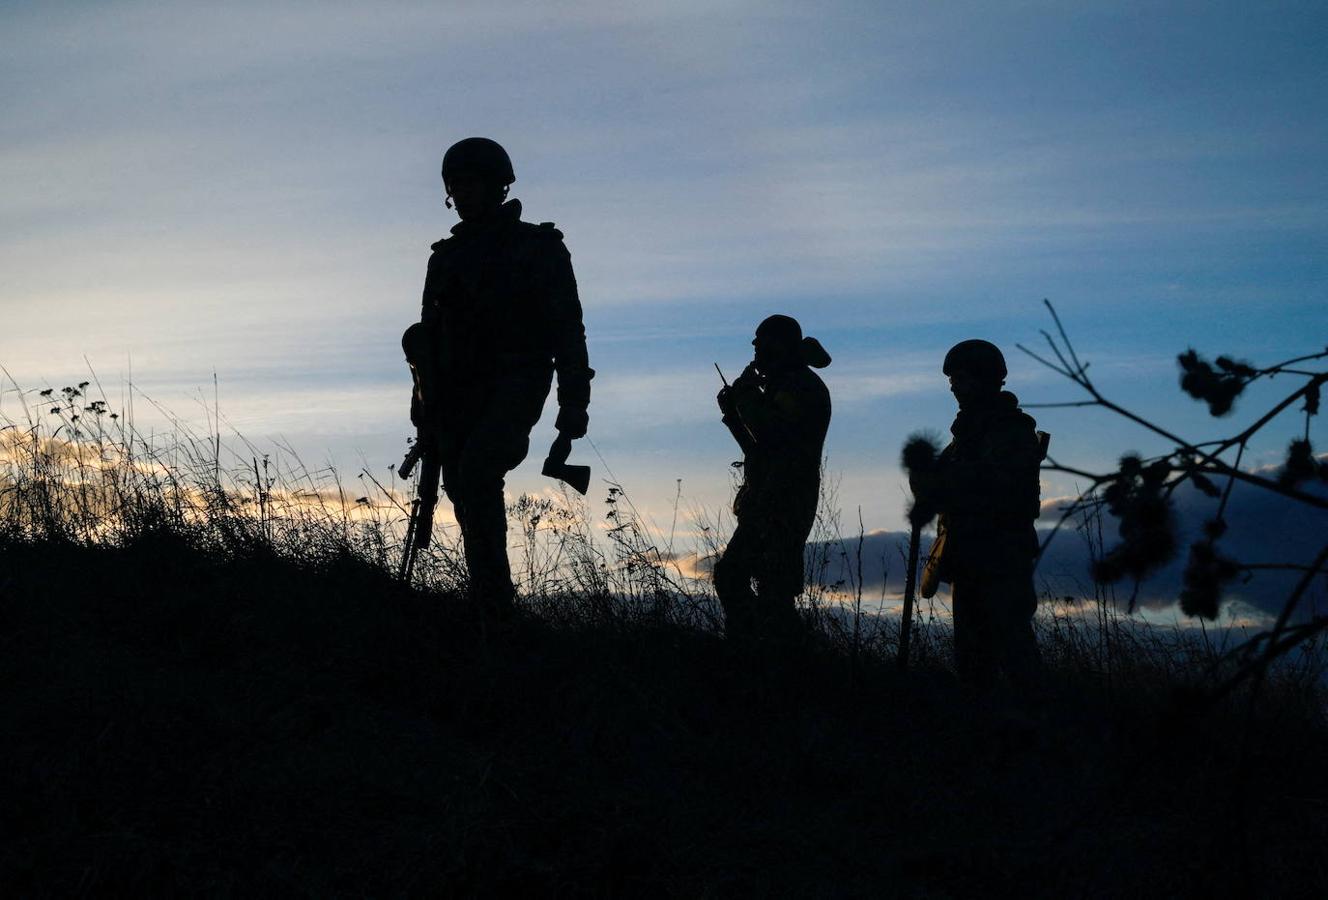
column 572, row 422
column 750, row 378
column 426, row 438
column 725, row 400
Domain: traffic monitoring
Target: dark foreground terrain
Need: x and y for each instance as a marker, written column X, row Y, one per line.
column 178, row 723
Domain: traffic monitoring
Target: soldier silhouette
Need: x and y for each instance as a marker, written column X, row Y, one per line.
column 778, row 411
column 985, row 487
column 500, row 316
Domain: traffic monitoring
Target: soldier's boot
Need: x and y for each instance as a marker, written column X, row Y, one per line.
column 484, row 534
column 733, row 586
column 783, row 622
column 1020, row 656
column 778, row 584
column 975, row 655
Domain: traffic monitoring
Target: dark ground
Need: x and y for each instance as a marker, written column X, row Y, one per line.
column 178, row 724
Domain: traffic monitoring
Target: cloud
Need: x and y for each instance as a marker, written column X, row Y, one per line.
column 252, row 189
column 1264, row 528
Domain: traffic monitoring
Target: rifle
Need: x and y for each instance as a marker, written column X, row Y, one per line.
column 741, row 433
column 419, row 531
column 420, row 343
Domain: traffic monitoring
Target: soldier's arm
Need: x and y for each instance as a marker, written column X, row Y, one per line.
column 415, row 343
column 570, row 358
column 780, row 419
column 739, row 431
column 429, row 313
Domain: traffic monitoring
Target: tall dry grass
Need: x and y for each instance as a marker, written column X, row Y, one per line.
column 73, row 470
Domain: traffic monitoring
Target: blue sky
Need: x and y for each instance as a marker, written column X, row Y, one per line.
column 251, row 191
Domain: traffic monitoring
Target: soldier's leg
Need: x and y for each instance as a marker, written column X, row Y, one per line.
column 450, row 448
column 497, row 443
column 779, row 579
column 1014, row 601
column 733, row 580
column 975, row 658
column 466, row 489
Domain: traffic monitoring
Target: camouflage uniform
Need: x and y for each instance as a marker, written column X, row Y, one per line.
column 987, row 490
column 501, row 308
column 781, row 428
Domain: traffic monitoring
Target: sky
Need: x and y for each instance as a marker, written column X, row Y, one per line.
column 249, row 190
column 1260, row 534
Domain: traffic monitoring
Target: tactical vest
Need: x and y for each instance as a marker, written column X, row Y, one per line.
column 486, row 293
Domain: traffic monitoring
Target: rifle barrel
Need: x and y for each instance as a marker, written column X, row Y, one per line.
column 408, row 552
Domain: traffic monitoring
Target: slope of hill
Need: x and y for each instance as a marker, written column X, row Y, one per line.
column 182, row 720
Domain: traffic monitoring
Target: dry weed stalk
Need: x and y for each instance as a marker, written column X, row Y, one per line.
column 1139, row 492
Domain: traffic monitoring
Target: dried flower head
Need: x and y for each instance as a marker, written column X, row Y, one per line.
column 1205, row 574
column 1300, row 464
column 1147, row 529
column 1312, row 397
column 1204, row 484
column 920, row 451
column 1217, row 385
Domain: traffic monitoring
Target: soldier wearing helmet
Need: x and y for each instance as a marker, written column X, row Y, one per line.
column 985, row 486
column 778, row 411
column 502, row 316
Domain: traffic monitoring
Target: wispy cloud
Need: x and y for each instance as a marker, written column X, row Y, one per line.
column 252, row 189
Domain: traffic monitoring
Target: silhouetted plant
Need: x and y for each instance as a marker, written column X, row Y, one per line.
column 919, row 455
column 1139, row 492
column 1147, row 528
column 70, row 481
column 1218, row 385
column 1301, row 464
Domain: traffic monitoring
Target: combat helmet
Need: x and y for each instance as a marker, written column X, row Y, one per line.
column 479, row 156
column 977, row 356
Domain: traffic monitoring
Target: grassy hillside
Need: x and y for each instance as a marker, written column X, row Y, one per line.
column 212, row 684
column 184, row 720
